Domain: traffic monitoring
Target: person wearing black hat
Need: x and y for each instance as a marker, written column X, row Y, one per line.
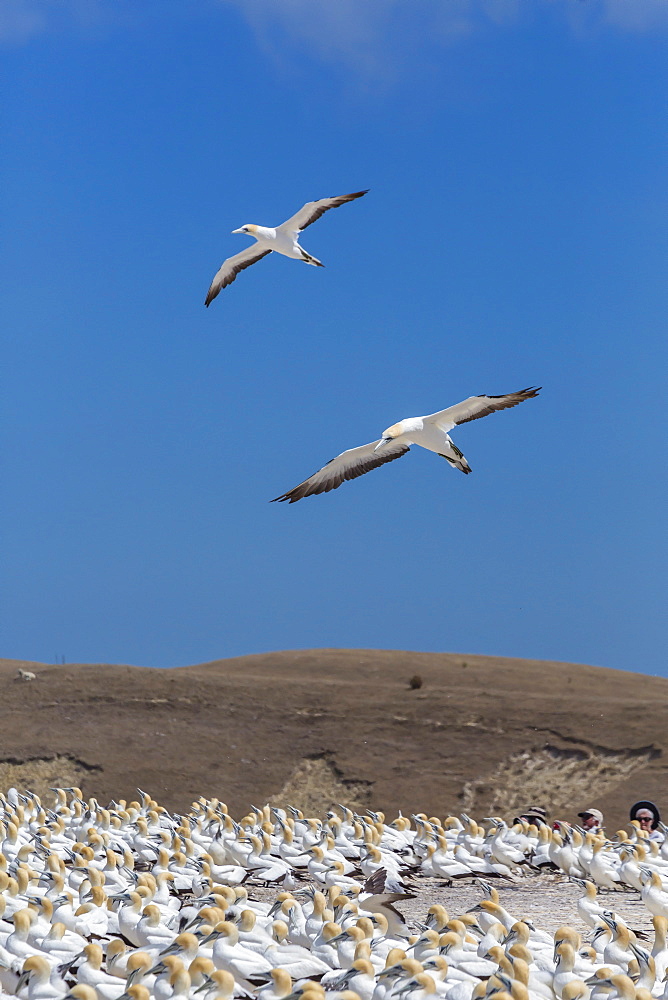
column 648, row 816
column 535, row 815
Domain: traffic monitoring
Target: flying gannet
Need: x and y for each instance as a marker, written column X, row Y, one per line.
column 430, row 432
column 283, row 239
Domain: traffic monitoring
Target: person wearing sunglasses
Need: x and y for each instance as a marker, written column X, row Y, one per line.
column 648, row 816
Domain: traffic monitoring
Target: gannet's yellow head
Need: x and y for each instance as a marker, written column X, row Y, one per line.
column 137, row 992
column 388, row 435
column 38, row 965
column 248, row 229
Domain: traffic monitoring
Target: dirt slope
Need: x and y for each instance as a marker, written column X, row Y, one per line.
column 481, row 734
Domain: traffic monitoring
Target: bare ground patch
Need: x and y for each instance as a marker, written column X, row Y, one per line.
column 548, row 900
column 41, row 774
column 553, row 777
column 317, row 783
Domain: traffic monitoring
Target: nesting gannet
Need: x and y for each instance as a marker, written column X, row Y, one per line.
column 200, row 970
column 224, row 985
column 430, row 432
column 601, row 866
column 44, row 982
column 245, row 965
column 360, row 978
column 278, row 989
column 83, row 992
column 297, row 961
column 647, row 969
column 564, row 954
column 90, row 973
column 164, row 971
column 282, row 239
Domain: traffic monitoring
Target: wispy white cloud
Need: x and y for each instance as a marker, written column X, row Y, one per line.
column 374, row 35
column 352, row 31
column 20, row 20
column 637, row 15
column 367, row 33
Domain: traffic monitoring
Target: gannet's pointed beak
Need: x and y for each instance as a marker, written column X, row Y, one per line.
column 380, row 444
column 237, row 231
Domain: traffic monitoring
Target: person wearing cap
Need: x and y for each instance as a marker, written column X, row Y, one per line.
column 592, row 820
column 648, row 816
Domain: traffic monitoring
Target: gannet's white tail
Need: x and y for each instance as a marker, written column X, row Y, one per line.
column 311, row 260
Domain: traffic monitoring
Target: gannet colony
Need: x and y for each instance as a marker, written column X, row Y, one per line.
column 131, row 901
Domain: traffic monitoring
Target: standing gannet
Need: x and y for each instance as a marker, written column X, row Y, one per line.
column 430, row 432
column 283, row 239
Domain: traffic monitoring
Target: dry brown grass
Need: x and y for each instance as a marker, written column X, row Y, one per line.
column 552, row 777
column 41, row 774
column 319, row 725
column 315, row 785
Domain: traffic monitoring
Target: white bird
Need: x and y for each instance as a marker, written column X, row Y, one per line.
column 430, row 432
column 245, row 965
column 282, row 239
column 90, row 973
column 44, row 982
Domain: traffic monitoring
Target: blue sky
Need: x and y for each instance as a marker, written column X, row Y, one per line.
column 514, row 234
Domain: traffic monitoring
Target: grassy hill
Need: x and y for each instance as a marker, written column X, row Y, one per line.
column 480, row 734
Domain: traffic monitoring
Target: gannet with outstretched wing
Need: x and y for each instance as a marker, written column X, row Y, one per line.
column 283, row 239
column 430, row 432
